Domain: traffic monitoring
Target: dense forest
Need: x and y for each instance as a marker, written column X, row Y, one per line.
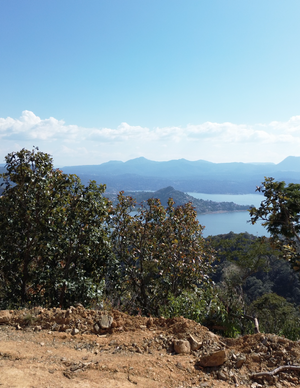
column 253, row 279
column 63, row 243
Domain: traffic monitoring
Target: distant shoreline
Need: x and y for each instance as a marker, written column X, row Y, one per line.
column 223, row 211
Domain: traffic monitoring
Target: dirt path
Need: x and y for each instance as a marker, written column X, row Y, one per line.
column 56, row 348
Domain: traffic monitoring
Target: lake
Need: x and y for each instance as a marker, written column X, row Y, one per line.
column 237, row 222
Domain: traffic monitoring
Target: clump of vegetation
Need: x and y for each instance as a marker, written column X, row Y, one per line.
column 160, row 252
column 29, row 319
column 54, row 243
column 276, row 315
column 280, row 213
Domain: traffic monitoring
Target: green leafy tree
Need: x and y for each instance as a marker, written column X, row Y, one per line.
column 276, row 315
column 280, row 213
column 53, row 244
column 248, row 253
column 160, row 252
column 80, row 257
column 199, row 304
column 241, row 256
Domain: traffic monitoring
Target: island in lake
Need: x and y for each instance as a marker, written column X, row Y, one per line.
column 202, row 206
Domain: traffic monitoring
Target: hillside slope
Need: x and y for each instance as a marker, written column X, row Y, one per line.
column 38, row 350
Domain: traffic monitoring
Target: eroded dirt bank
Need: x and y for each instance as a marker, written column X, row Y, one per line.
column 88, row 348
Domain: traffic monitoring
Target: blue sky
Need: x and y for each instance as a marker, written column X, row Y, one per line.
column 93, row 81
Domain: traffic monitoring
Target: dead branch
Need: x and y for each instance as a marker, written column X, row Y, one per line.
column 275, row 371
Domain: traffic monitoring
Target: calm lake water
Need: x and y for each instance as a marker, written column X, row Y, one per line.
column 237, row 222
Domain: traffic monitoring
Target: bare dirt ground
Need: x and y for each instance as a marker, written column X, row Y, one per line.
column 88, row 348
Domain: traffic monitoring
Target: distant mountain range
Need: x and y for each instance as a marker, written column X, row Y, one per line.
column 183, row 175
column 198, row 176
column 202, row 206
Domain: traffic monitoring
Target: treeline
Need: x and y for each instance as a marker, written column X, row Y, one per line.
column 63, row 243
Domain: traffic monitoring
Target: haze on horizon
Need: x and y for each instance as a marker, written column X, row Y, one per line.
column 90, row 82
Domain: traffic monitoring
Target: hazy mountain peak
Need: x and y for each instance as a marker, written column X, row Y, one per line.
column 166, row 190
column 291, row 163
column 140, row 159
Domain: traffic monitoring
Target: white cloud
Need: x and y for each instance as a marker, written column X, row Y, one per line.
column 217, row 142
column 124, row 132
column 29, row 126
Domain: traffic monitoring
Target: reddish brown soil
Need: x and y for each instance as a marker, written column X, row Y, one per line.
column 41, row 348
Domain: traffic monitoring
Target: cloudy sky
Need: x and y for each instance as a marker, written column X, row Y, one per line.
column 99, row 80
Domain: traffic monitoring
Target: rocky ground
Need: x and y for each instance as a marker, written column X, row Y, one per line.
column 93, row 348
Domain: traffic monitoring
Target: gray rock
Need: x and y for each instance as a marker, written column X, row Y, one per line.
column 222, row 376
column 105, row 321
column 75, row 331
column 96, row 328
column 214, row 359
column 182, row 346
column 256, row 357
column 240, row 360
column 180, row 366
column 195, row 345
